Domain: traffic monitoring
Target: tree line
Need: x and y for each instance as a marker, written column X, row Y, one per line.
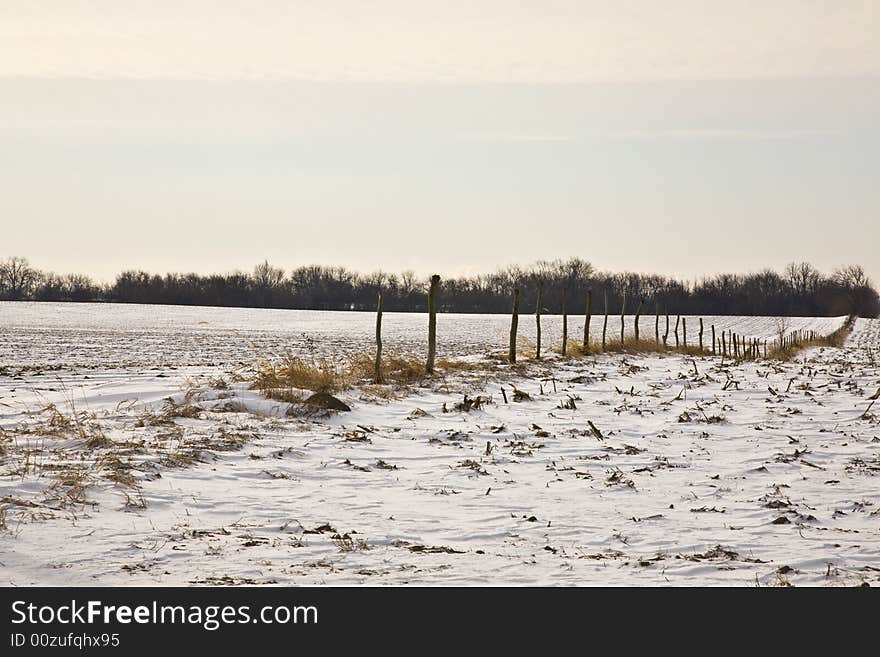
column 800, row 289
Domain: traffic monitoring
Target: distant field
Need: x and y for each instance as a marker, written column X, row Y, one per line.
column 119, row 335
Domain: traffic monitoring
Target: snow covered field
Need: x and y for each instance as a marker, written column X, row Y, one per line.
column 91, row 335
column 619, row 470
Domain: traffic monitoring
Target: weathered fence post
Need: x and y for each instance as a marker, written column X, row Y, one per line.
column 684, row 331
column 605, row 323
column 656, row 322
column 432, row 323
column 701, row 335
column 564, row 320
column 538, row 319
column 378, row 375
column 724, row 344
column 666, row 335
column 586, row 347
column 714, row 343
column 514, row 323
column 638, row 315
column 677, row 322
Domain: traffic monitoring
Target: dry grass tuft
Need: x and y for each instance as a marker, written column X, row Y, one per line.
column 629, row 345
column 116, row 470
column 69, row 488
column 525, row 348
column 287, row 379
column 180, row 459
column 399, row 370
column 170, row 410
column 296, row 373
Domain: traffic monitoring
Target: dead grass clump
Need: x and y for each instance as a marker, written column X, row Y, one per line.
column 643, row 346
column 118, row 471
column 374, row 392
column 134, row 499
column 788, row 353
column 525, row 348
column 293, row 372
column 286, row 380
column 58, row 424
column 399, row 370
column 223, row 440
column 180, row 459
column 572, row 348
column 80, row 425
column 288, row 395
column 406, row 370
column 170, row 410
column 449, row 365
column 185, row 409
column 69, row 488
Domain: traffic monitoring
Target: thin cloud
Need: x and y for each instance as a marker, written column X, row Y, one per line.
column 515, row 137
column 726, row 135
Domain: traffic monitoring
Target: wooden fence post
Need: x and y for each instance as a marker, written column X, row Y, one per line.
column 432, row 323
column 701, row 335
column 656, row 322
column 538, row 319
column 684, row 331
column 586, row 348
column 564, row 320
column 605, row 323
column 724, row 344
column 666, row 334
column 378, row 374
column 638, row 315
column 514, row 323
column 677, row 322
column 714, row 343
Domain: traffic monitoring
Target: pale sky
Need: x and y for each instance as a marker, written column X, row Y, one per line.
column 681, row 137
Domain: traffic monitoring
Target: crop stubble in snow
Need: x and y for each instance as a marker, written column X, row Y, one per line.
column 694, row 474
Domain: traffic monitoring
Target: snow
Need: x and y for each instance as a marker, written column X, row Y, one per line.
column 702, row 473
column 88, row 334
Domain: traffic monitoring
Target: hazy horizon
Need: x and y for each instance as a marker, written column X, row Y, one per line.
column 210, row 137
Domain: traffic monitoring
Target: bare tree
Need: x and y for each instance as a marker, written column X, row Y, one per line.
column 17, row 278
column 851, row 276
column 802, row 277
column 266, row 276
